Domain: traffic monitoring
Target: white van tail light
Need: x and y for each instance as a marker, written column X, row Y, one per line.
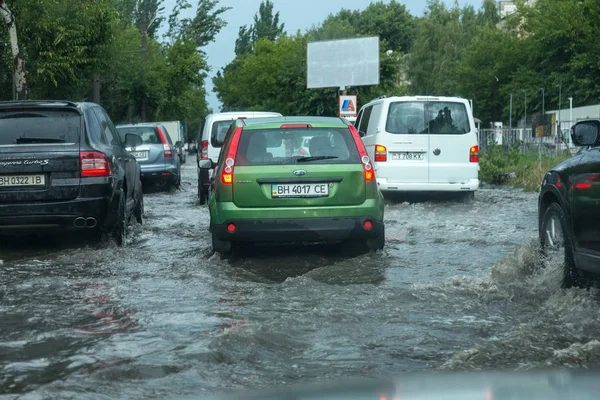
column 474, row 154
column 204, row 151
column 380, row 153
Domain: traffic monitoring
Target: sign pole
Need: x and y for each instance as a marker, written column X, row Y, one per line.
column 341, row 93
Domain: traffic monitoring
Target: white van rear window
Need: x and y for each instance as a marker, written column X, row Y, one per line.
column 421, row 118
column 218, row 132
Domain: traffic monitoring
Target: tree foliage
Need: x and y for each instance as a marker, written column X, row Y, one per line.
column 67, row 42
column 270, row 74
column 266, row 26
column 551, row 43
column 450, row 50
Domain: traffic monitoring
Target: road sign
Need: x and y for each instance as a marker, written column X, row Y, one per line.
column 348, row 106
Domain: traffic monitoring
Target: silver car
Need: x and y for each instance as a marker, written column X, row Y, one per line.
column 156, row 155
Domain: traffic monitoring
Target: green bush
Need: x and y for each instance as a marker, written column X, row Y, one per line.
column 495, row 162
column 525, row 170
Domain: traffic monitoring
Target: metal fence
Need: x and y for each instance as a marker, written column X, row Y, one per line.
column 523, row 138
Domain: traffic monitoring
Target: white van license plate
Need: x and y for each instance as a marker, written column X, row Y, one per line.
column 22, row 180
column 408, row 156
column 300, row 190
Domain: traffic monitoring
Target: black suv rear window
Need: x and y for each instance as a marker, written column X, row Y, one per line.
column 290, row 146
column 434, row 117
column 149, row 134
column 34, row 126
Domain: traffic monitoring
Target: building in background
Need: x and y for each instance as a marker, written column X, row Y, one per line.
column 508, row 9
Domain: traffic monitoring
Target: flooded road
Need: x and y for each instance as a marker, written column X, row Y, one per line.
column 455, row 289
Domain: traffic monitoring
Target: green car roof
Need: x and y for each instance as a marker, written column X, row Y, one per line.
column 276, row 122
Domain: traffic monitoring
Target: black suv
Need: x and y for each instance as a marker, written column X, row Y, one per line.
column 63, row 165
column 569, row 209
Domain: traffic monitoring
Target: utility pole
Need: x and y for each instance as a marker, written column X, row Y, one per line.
column 525, row 107
column 571, row 110
column 543, row 99
column 559, row 132
column 570, row 116
column 144, row 28
column 510, row 117
column 96, row 88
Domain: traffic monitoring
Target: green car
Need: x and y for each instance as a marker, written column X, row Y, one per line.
column 294, row 180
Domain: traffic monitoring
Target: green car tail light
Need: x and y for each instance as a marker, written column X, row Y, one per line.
column 364, row 157
column 227, row 173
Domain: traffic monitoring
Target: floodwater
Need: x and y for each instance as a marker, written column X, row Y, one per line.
column 456, row 288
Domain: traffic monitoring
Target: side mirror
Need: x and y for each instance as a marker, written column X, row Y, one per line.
column 206, row 164
column 362, row 134
column 585, row 133
column 133, row 140
column 179, row 144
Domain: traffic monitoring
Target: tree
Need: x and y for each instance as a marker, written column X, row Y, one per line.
column 486, row 70
column 65, row 43
column 332, row 29
column 266, row 26
column 20, row 85
column 243, row 44
column 391, row 22
column 489, row 14
column 442, row 36
column 271, row 74
column 563, row 47
column 206, row 24
column 273, row 78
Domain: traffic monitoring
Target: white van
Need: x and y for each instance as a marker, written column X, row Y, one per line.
column 421, row 144
column 212, row 135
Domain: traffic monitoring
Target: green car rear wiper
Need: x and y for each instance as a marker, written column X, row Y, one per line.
column 315, row 158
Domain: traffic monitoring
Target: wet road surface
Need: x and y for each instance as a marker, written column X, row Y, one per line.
column 455, row 289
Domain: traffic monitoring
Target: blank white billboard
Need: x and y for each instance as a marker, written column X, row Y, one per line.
column 340, row 63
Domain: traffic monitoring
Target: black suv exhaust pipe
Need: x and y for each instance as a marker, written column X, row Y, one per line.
column 89, row 222
column 79, row 222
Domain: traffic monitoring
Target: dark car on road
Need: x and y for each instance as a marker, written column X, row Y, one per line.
column 569, row 209
column 63, row 165
column 156, row 154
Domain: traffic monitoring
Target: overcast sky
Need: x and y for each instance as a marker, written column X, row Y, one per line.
column 295, row 14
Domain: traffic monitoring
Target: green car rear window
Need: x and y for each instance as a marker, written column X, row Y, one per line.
column 290, row 146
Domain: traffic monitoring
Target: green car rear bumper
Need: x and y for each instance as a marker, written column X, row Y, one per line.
column 298, row 229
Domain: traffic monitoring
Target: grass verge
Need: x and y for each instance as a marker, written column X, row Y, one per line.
column 512, row 167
